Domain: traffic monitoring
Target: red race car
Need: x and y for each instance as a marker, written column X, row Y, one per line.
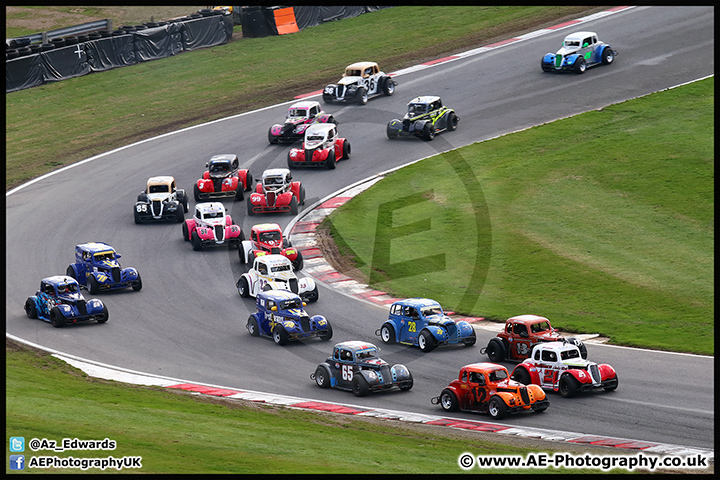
column 276, row 193
column 267, row 238
column 322, row 148
column 211, row 226
column 223, row 178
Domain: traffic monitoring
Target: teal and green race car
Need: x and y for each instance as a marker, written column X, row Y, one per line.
column 426, row 116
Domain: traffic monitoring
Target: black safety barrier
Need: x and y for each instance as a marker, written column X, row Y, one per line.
column 72, row 57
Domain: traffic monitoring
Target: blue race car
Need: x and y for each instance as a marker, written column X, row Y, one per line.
column 355, row 366
column 280, row 315
column 579, row 51
column 421, row 322
column 97, row 269
column 60, row 302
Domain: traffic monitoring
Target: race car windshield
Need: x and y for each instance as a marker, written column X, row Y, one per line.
column 104, row 256
column 350, row 72
column 314, row 138
column 273, row 181
column 294, row 303
column 366, row 354
column 69, row 288
column 568, row 354
column 213, row 215
column 498, row 375
column 427, row 312
column 219, row 168
column 280, row 268
column 571, row 43
column 540, row 327
column 268, row 236
column 416, row 108
column 159, row 189
column 297, row 113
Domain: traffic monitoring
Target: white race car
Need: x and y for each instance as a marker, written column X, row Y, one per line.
column 579, row 51
column 360, row 81
column 275, row 272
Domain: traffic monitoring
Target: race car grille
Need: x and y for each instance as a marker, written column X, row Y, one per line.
column 595, row 373
column 270, row 199
column 305, row 324
column 115, row 274
column 275, row 250
column 294, row 285
column 340, row 90
column 558, row 60
column 452, row 330
column 309, row 155
column 156, row 207
column 219, row 232
column 384, row 374
column 217, row 184
column 82, row 307
column 524, row 395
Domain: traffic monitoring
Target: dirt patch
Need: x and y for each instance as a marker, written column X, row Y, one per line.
column 341, row 263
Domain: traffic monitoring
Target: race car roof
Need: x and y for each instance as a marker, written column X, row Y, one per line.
column 264, row 227
column 278, row 295
column 355, row 345
column 275, row 172
column 212, row 207
column 418, row 302
column 227, row 157
column 319, row 129
column 424, row 99
column 305, row 104
column 528, row 318
column 484, row 367
column 160, row 180
column 59, row 280
column 274, row 259
column 579, row 36
column 94, row 247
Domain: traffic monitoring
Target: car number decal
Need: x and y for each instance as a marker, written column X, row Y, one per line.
column 412, row 327
column 347, row 372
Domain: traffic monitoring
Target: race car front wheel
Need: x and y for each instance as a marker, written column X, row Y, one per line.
column 252, row 327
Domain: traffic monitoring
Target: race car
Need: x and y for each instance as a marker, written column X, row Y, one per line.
column 161, row 201
column 96, row 268
column 275, row 272
column 211, row 226
column 425, row 118
column 300, row 115
column 361, row 81
column 558, row 366
column 280, row 315
column 487, row 388
column 521, row 334
column 267, row 238
column 60, row 303
column 276, row 193
column 421, row 322
column 322, row 148
column 356, row 367
column 223, row 179
column 579, row 51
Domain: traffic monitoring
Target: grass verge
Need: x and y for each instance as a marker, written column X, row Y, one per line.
column 612, row 234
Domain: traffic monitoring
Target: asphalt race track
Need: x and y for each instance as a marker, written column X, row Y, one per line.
column 188, row 321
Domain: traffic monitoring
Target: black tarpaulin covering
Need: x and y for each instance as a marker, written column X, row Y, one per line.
column 158, row 42
column 308, row 16
column 65, row 62
column 23, row 72
column 110, row 52
column 328, row 14
column 204, row 32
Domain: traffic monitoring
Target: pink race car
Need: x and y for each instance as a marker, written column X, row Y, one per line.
column 300, row 115
column 276, row 193
column 211, row 227
column 322, row 148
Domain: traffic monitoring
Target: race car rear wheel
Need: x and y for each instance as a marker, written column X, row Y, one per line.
column 426, row 341
column 298, row 263
column 186, row 234
column 30, row 309
column 252, row 326
column 568, row 386
column 387, row 333
column 497, row 408
column 104, row 317
column 360, row 386
column 321, row 377
column 522, row 376
column 448, row 401
column 179, row 214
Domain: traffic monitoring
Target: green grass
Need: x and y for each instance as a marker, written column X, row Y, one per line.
column 178, row 433
column 53, row 125
column 611, row 233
